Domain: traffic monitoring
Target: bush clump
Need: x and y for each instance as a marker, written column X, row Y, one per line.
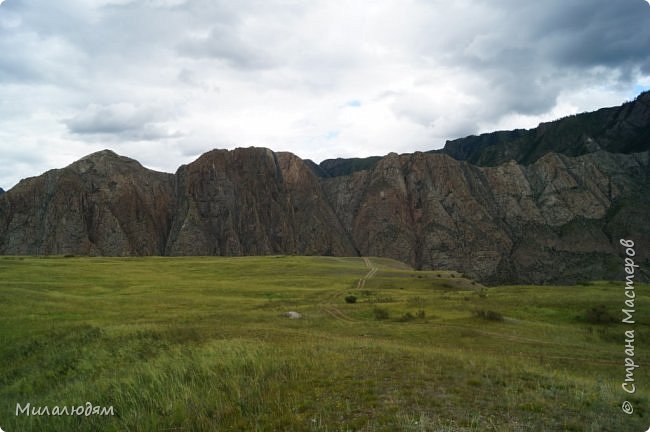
column 351, row 299
column 489, row 315
column 599, row 315
column 380, row 313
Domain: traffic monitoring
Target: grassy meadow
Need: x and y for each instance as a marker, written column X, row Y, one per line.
column 201, row 344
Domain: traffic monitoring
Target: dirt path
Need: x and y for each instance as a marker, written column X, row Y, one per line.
column 334, row 311
column 371, row 272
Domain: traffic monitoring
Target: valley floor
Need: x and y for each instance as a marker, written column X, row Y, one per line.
column 202, row 344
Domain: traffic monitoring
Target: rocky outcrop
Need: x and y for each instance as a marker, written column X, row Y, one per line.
column 253, row 202
column 103, row 204
column 555, row 220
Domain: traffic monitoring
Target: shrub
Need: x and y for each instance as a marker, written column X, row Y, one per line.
column 380, row 313
column 598, row 315
column 351, row 299
column 416, row 301
column 421, row 314
column 408, row 316
column 489, row 315
column 482, row 293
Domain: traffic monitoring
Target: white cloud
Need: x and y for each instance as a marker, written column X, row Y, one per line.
column 165, row 80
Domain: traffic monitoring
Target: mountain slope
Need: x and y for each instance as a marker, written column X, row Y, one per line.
column 622, row 129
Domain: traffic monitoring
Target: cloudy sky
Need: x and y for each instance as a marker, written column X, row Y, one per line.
column 163, row 81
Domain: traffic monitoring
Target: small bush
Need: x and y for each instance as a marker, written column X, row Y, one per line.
column 351, row 299
column 416, row 301
column 380, row 313
column 489, row 315
column 408, row 316
column 599, row 315
column 482, row 293
column 421, row 314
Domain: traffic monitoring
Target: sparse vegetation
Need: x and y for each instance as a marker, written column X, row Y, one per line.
column 489, row 315
column 417, row 301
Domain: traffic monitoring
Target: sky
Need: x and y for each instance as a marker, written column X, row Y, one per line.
column 163, row 81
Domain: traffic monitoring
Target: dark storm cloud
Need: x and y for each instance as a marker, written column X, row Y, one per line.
column 529, row 52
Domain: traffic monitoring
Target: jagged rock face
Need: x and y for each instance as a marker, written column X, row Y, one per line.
column 253, row 202
column 558, row 219
column 1, row 191
column 550, row 221
column 103, row 204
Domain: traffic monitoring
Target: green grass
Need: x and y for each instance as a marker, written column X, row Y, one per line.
column 200, row 344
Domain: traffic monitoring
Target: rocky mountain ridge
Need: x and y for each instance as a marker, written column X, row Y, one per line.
column 622, row 129
column 555, row 219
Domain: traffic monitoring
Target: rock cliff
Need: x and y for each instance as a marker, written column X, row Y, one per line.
column 502, row 207
column 253, row 202
column 558, row 219
column 103, row 204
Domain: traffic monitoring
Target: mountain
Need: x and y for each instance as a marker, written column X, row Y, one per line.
column 622, row 129
column 551, row 214
column 339, row 167
column 558, row 219
column 103, row 204
column 253, row 202
column 1, row 191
